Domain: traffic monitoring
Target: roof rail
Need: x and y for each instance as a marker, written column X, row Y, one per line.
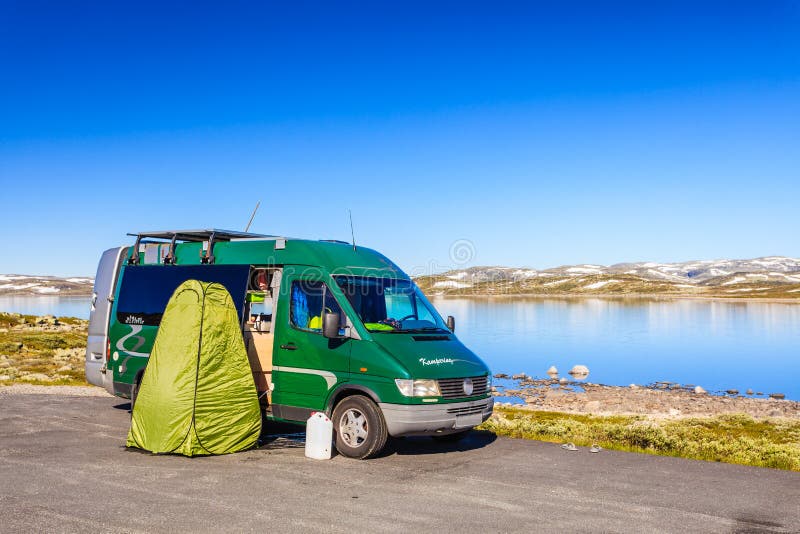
column 211, row 235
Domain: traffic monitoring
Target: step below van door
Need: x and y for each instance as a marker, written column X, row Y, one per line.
column 306, row 365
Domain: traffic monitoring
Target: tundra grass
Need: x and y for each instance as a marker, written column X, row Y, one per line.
column 736, row 439
column 48, row 355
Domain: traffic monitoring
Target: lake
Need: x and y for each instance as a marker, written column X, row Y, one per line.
column 49, row 305
column 716, row 344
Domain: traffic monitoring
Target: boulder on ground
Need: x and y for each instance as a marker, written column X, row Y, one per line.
column 779, row 396
column 699, row 389
column 47, row 319
column 579, row 370
column 552, row 370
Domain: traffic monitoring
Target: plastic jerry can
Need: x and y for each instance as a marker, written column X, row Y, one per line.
column 319, row 434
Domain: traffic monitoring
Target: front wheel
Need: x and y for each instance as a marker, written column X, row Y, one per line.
column 359, row 426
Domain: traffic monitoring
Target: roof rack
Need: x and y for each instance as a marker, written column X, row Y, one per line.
column 211, row 235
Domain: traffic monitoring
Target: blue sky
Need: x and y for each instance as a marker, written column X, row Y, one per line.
column 542, row 133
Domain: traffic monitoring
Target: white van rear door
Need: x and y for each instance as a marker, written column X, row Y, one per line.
column 104, row 284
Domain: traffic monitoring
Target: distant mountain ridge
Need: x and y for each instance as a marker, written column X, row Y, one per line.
column 23, row 284
column 769, row 277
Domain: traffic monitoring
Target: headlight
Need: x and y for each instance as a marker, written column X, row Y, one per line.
column 418, row 388
column 488, row 382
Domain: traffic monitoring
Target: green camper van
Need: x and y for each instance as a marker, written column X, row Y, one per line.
column 327, row 326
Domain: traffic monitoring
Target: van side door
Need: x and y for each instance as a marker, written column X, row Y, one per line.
column 306, row 365
column 105, row 282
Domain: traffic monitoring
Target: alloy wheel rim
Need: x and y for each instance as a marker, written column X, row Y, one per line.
column 353, row 428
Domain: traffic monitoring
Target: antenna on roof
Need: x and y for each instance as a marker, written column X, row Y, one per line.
column 252, row 216
column 352, row 233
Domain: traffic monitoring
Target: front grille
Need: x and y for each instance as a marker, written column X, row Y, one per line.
column 453, row 388
column 466, row 410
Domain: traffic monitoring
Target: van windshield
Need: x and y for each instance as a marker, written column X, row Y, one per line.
column 390, row 305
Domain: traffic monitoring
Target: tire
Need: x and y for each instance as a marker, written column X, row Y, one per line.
column 359, row 427
column 135, row 392
column 452, row 438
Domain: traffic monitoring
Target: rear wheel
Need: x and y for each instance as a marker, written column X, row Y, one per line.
column 135, row 391
column 359, row 426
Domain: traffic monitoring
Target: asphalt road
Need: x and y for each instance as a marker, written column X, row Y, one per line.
column 64, row 467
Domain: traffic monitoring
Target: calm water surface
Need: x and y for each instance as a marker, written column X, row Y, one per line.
column 716, row 344
column 58, row 306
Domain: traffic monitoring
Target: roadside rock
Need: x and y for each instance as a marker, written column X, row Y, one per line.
column 779, row 396
column 48, row 320
column 552, row 370
column 699, row 389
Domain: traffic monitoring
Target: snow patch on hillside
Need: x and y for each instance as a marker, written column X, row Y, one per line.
column 451, row 284
column 600, row 284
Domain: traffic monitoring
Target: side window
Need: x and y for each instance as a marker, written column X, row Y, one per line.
column 423, row 313
column 146, row 289
column 309, row 301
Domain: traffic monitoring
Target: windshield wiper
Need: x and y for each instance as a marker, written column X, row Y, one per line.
column 425, row 329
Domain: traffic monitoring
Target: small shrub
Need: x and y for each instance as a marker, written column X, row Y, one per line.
column 9, row 347
column 44, row 341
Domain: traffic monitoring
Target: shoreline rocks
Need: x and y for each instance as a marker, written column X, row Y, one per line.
column 671, row 400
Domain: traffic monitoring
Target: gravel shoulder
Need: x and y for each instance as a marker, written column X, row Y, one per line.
column 66, row 391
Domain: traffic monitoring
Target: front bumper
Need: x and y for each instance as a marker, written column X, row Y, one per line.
column 437, row 419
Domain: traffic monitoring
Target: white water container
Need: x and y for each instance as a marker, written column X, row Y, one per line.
column 319, row 434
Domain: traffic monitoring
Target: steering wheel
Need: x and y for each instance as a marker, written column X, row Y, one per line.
column 407, row 317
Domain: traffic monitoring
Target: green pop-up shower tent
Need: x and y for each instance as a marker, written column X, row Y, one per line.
column 197, row 396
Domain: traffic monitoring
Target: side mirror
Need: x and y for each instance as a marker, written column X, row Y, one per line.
column 451, row 323
column 330, row 325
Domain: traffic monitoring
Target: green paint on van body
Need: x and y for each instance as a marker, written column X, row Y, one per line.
column 318, row 371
